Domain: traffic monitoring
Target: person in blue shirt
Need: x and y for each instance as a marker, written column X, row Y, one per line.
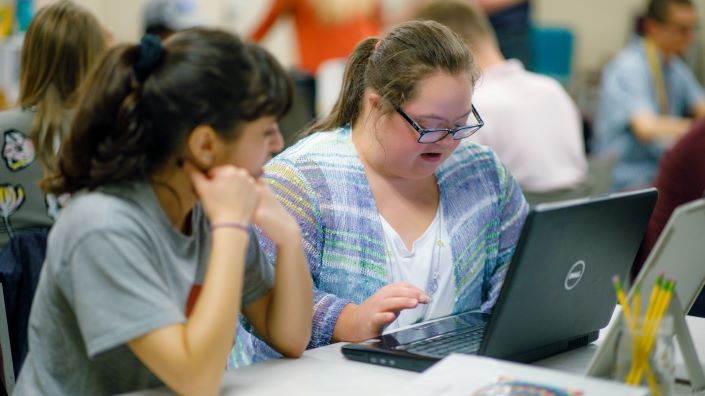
column 648, row 96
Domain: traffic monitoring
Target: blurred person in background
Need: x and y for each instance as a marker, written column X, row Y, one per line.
column 530, row 120
column 61, row 45
column 680, row 179
column 325, row 29
column 163, row 18
column 648, row 95
column 511, row 21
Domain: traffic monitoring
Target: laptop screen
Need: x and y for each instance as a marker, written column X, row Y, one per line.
column 558, row 286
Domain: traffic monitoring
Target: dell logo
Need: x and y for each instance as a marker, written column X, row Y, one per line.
column 575, row 273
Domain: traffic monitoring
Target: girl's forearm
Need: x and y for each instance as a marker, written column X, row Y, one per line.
column 211, row 326
column 189, row 357
column 291, row 309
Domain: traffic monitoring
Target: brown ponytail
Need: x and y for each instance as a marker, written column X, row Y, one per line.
column 107, row 139
column 394, row 66
column 347, row 107
column 125, row 128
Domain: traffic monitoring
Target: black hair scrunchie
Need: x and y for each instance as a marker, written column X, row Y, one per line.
column 149, row 57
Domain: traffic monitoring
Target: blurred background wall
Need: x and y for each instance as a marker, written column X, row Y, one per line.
column 601, row 27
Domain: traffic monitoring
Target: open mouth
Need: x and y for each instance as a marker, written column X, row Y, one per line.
column 431, row 156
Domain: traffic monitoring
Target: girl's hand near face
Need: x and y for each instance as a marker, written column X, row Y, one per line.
column 271, row 217
column 228, row 194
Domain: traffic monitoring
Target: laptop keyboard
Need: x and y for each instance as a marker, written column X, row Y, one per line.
column 466, row 340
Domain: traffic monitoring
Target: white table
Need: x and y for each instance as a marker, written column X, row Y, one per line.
column 324, row 371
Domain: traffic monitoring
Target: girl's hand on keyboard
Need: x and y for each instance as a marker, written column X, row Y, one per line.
column 368, row 319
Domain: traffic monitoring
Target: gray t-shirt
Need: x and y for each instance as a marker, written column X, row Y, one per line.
column 115, row 270
column 24, row 205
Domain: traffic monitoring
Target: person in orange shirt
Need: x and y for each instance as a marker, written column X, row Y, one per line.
column 325, row 29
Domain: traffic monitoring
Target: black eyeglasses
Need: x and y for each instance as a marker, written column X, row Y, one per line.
column 432, row 135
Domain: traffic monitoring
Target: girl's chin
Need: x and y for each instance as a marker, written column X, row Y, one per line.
column 421, row 172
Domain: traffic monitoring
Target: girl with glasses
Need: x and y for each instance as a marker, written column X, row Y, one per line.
column 151, row 262
column 402, row 219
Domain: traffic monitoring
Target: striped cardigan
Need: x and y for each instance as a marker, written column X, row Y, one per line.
column 322, row 183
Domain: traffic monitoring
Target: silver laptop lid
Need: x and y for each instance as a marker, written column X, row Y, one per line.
column 679, row 253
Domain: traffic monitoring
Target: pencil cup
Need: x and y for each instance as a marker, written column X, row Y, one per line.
column 645, row 355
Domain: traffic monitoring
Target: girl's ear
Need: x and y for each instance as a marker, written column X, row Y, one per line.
column 373, row 100
column 202, row 145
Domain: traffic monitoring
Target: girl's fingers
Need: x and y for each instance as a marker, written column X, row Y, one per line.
column 406, row 286
column 396, row 304
column 196, row 175
column 381, row 319
column 403, row 290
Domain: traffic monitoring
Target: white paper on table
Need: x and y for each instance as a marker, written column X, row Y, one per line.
column 465, row 374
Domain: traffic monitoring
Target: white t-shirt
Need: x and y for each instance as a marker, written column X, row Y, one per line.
column 418, row 266
column 533, row 126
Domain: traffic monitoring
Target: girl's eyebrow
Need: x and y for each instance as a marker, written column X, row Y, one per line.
column 439, row 118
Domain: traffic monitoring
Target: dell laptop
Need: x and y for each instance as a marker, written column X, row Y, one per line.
column 556, row 296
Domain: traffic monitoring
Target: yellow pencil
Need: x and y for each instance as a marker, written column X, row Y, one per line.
column 653, row 326
column 655, row 293
column 640, row 333
column 651, row 380
column 622, row 298
column 636, row 302
column 650, row 377
column 630, row 320
column 651, row 336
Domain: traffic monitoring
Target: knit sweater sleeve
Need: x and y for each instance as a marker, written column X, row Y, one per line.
column 513, row 210
column 297, row 194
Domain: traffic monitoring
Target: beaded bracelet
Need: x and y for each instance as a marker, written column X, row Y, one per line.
column 239, row 226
